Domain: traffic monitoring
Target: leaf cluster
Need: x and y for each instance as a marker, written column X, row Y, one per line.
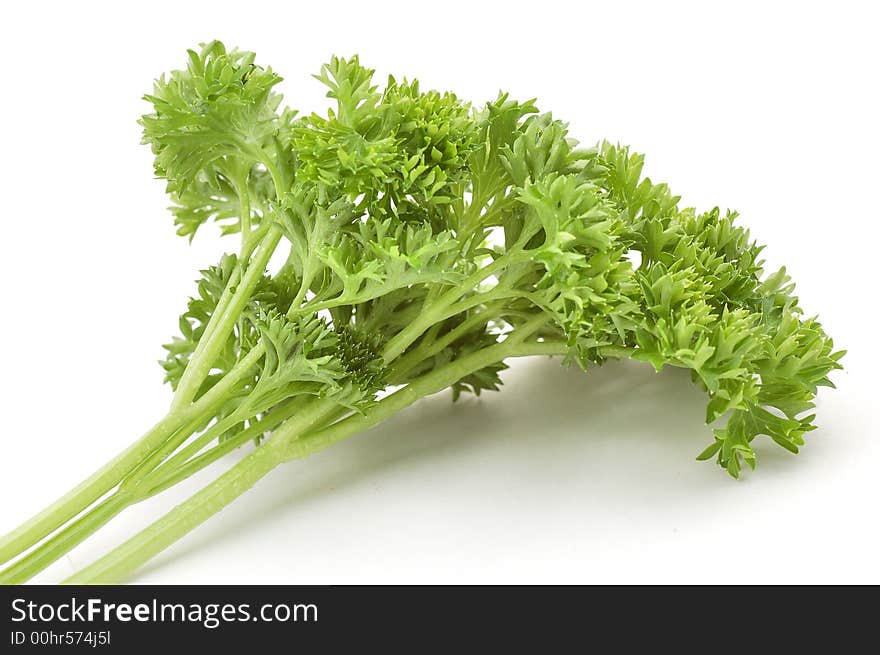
column 420, row 230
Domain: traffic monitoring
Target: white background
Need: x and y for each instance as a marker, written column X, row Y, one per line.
column 771, row 109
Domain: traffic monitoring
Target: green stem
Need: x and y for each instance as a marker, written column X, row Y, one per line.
column 179, row 521
column 226, row 313
column 140, row 483
column 440, row 308
column 166, row 477
column 166, row 449
column 433, row 346
column 231, row 302
column 61, row 543
column 431, row 383
column 199, row 508
column 209, row 346
column 244, row 203
column 195, row 446
column 274, row 173
column 527, row 329
column 288, row 442
column 85, row 493
column 188, row 461
column 111, row 474
column 162, row 453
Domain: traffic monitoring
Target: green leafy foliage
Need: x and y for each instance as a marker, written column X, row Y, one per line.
column 402, row 151
column 403, row 196
column 212, row 126
column 707, row 307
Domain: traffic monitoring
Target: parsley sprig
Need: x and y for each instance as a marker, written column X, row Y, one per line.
column 425, row 243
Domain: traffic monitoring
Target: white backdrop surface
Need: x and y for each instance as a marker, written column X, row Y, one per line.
column 768, row 108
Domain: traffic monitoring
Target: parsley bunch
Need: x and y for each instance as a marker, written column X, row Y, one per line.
column 425, row 243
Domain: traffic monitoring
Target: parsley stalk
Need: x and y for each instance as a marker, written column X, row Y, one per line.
column 287, row 443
